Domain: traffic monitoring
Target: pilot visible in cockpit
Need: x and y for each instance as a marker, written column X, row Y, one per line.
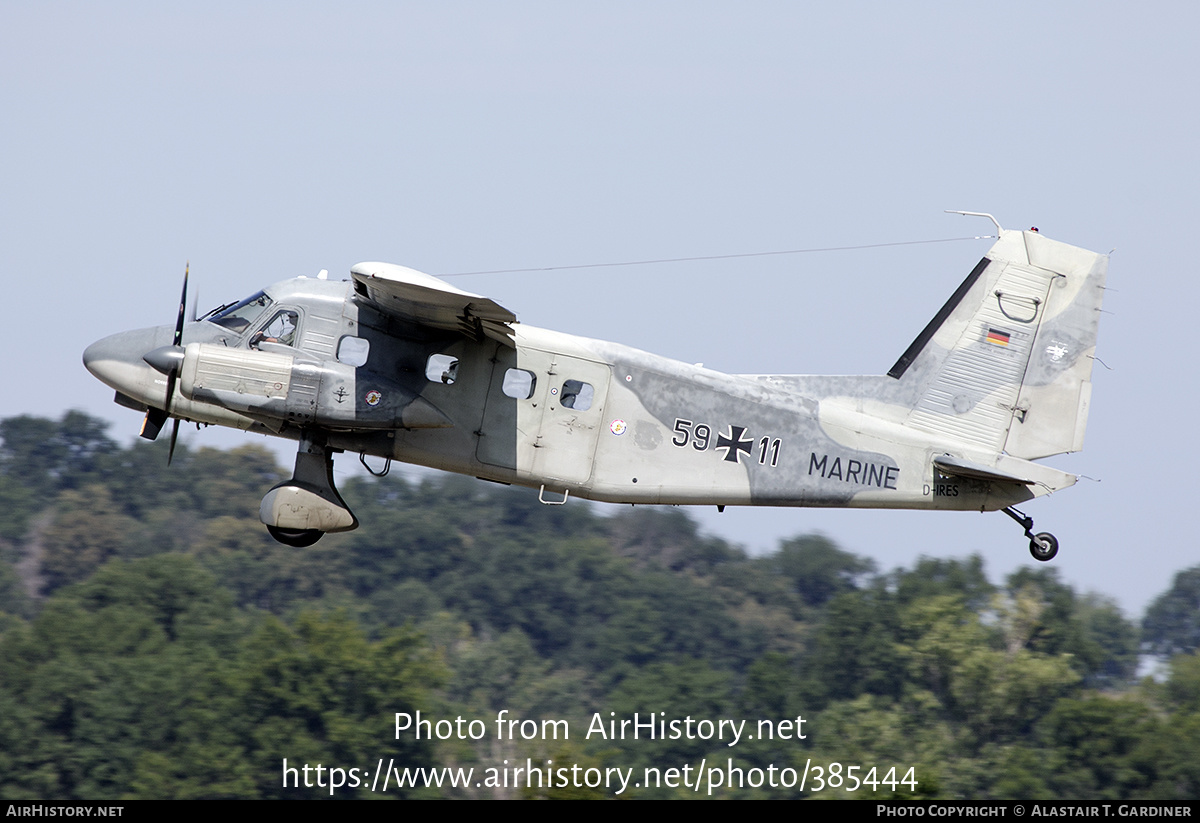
column 281, row 329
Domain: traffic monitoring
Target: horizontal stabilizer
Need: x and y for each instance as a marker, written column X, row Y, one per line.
column 964, row 468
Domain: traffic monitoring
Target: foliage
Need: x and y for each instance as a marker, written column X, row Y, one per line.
column 46, row 457
column 818, row 570
column 144, row 682
column 154, row 642
column 1172, row 623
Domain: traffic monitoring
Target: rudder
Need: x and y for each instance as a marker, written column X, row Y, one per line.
column 1006, row 364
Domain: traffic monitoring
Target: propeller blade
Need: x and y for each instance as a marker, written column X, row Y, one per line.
column 182, row 307
column 152, row 425
column 174, row 437
column 156, row 418
column 170, row 390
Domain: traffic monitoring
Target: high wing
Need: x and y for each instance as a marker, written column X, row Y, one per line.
column 424, row 299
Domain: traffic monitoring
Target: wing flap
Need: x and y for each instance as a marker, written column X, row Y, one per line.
column 424, row 299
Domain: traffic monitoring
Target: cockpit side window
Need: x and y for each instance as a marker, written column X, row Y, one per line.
column 280, row 329
column 240, row 316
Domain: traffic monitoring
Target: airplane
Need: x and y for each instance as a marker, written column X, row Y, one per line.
column 400, row 365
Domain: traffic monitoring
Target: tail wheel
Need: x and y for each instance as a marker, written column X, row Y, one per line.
column 298, row 538
column 1043, row 546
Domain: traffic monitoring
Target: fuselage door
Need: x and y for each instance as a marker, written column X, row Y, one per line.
column 544, row 414
column 564, row 447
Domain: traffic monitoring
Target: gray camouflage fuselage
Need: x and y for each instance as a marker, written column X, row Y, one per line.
column 440, row 378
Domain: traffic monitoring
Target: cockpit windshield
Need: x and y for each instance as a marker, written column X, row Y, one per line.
column 238, row 316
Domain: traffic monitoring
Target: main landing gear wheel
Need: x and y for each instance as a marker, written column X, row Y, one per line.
column 298, row 538
column 1043, row 546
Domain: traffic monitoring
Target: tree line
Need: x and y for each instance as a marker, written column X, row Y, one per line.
column 155, row 642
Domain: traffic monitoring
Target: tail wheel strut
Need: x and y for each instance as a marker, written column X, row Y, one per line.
column 1043, row 545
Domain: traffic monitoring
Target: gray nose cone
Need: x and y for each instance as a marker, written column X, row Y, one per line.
column 117, row 359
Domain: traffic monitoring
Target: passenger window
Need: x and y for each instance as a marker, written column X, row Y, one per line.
column 577, row 395
column 519, row 384
column 281, row 329
column 441, row 368
column 353, row 351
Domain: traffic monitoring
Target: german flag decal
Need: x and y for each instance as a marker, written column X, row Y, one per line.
column 1000, row 338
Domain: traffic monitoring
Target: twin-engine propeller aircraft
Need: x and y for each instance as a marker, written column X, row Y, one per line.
column 403, row 366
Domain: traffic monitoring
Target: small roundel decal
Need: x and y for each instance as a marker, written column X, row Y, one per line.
column 617, row 427
column 373, row 397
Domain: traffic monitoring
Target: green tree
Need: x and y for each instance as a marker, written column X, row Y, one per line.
column 665, row 692
column 1099, row 748
column 855, row 650
column 47, row 456
column 818, row 570
column 323, row 693
column 18, row 503
column 145, row 681
column 963, row 578
column 1100, row 641
column 87, row 530
column 104, row 673
column 1172, row 622
column 1182, row 688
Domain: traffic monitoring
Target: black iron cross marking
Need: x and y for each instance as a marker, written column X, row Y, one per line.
column 734, row 445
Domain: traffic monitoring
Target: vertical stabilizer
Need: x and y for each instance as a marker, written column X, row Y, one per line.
column 1006, row 364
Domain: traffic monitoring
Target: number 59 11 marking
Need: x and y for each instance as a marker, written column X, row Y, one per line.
column 699, row 435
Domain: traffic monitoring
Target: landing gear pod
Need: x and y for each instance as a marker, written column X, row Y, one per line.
column 301, row 509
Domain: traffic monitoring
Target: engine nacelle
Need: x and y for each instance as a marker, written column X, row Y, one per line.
column 277, row 383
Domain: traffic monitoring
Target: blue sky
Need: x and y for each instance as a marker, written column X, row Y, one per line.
column 267, row 140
